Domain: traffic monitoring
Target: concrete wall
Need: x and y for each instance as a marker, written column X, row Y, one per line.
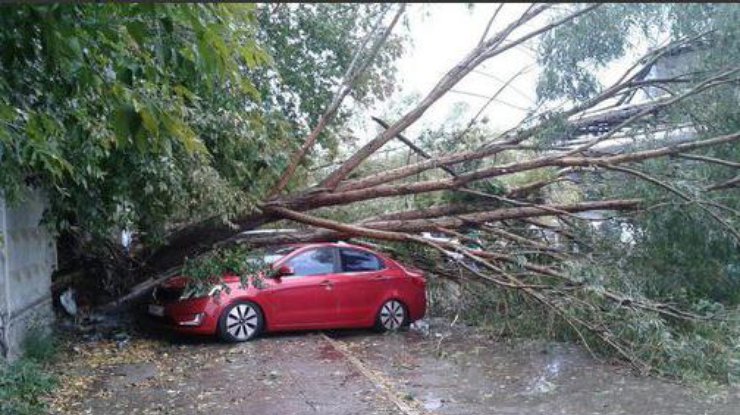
column 27, row 259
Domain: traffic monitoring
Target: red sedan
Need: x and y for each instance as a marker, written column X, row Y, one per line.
column 314, row 286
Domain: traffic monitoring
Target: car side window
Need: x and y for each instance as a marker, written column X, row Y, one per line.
column 318, row 261
column 359, row 261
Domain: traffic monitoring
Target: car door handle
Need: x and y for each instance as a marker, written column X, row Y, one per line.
column 380, row 277
column 326, row 283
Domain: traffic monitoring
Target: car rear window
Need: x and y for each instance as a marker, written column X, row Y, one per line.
column 359, row 261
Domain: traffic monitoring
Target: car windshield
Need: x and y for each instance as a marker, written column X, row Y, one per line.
column 268, row 256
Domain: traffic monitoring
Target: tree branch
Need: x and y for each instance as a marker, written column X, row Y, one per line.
column 350, row 78
column 478, row 55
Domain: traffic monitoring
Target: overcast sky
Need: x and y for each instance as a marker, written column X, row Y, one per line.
column 444, row 33
column 441, row 35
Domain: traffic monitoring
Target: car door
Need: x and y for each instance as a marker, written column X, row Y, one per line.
column 305, row 299
column 360, row 285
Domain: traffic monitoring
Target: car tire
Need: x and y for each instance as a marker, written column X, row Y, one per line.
column 240, row 321
column 392, row 316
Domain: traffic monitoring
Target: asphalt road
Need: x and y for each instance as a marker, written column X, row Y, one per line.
column 445, row 370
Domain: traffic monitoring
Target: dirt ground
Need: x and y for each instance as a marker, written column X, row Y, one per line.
column 434, row 370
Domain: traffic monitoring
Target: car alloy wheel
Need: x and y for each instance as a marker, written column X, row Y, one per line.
column 392, row 315
column 241, row 322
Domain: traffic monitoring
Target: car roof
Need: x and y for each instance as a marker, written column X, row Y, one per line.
column 334, row 244
column 267, row 231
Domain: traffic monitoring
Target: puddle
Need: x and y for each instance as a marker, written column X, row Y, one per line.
column 431, row 403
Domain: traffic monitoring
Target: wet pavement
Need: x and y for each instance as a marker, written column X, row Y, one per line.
column 447, row 370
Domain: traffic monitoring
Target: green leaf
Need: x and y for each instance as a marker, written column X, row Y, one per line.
column 185, row 92
column 184, row 134
column 7, row 113
column 123, row 123
column 138, row 31
column 149, row 121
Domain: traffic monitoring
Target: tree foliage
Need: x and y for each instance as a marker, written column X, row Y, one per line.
column 101, row 102
column 677, row 260
column 146, row 115
column 312, row 45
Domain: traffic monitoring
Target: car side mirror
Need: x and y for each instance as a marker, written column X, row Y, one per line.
column 284, row 271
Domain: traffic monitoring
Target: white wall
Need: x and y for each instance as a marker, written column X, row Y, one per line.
column 27, row 259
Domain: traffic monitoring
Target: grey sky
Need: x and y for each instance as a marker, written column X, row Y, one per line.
column 442, row 34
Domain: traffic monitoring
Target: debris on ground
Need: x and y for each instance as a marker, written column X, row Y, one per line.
column 366, row 373
column 67, row 299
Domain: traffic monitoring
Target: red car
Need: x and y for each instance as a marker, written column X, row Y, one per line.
column 314, row 286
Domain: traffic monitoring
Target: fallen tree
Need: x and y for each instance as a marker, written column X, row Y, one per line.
column 333, row 190
column 540, row 154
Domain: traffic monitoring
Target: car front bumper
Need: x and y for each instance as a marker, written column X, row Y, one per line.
column 196, row 316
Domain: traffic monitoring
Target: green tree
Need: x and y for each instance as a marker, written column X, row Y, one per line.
column 147, row 116
column 685, row 246
column 681, row 251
